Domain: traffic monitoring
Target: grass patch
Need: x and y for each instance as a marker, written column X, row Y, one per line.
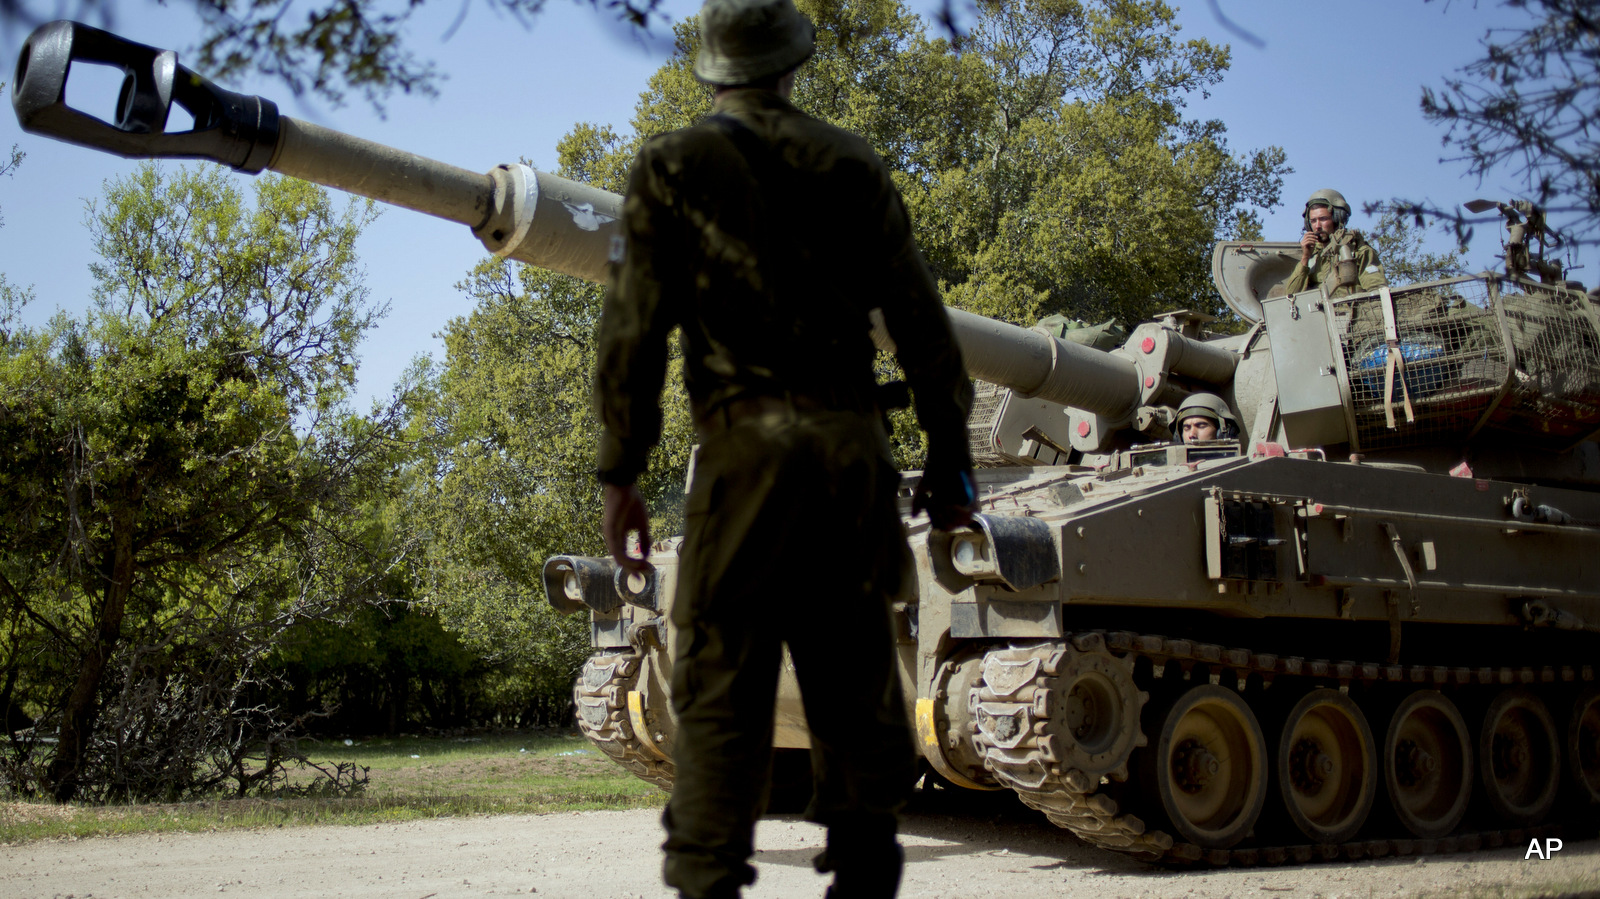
column 411, row 778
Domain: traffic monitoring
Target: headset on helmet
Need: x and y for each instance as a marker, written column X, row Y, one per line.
column 1209, row 405
column 1333, row 200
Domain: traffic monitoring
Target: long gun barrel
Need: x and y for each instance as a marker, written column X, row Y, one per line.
column 534, row 217
column 530, row 216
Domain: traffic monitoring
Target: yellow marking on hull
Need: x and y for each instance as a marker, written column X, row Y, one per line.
column 928, row 738
column 642, row 730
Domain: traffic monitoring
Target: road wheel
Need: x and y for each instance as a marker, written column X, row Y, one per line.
column 1519, row 758
column 1327, row 764
column 1209, row 767
column 1583, row 746
column 1427, row 764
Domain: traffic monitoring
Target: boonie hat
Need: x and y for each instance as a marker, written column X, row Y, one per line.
column 746, row 40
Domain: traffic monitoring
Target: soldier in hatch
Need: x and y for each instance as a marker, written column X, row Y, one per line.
column 1204, row 416
column 1332, row 255
column 767, row 236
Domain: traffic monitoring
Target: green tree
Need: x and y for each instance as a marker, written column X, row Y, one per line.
column 512, row 433
column 1084, row 189
column 510, row 479
column 180, row 459
column 390, row 665
column 1049, row 167
column 1399, row 242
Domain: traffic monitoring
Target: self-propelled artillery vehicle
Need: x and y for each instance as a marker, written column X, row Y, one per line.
column 1365, row 624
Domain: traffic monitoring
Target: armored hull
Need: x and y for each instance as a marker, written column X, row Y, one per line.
column 1325, row 663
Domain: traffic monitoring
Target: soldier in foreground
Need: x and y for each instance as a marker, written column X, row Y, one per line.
column 767, row 236
column 1331, row 254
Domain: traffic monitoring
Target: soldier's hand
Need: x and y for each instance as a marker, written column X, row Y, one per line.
column 947, row 495
column 1309, row 244
column 625, row 513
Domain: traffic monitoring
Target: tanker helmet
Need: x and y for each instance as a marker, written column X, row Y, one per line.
column 1332, row 199
column 746, row 40
column 1209, row 405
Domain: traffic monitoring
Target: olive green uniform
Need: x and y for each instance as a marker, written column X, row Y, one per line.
column 767, row 236
column 1369, row 270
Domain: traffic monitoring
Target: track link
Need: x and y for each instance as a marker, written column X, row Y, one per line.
column 1013, row 734
column 601, row 699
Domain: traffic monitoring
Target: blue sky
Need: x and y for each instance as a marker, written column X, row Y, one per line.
column 1335, row 84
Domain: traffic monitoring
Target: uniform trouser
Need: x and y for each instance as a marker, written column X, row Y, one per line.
column 791, row 538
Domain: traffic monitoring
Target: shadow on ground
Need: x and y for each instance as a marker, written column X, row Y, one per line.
column 941, row 822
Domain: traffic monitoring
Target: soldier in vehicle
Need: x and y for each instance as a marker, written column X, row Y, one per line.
column 768, row 236
column 1204, row 416
column 1333, row 255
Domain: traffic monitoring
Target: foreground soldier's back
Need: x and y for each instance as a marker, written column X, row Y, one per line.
column 767, row 236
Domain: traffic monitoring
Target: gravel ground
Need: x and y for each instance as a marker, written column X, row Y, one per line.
column 601, row 855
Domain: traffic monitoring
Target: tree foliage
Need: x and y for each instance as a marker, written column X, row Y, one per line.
column 512, row 433
column 390, row 665
column 510, row 478
column 1528, row 109
column 1398, row 240
column 182, row 473
column 1083, row 189
column 1048, row 167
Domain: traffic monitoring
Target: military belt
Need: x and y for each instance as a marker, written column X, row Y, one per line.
column 745, row 408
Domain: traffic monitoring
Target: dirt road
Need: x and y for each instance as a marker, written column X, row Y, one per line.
column 607, row 855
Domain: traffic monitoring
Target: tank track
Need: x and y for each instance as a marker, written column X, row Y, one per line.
column 1027, row 756
column 601, row 700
